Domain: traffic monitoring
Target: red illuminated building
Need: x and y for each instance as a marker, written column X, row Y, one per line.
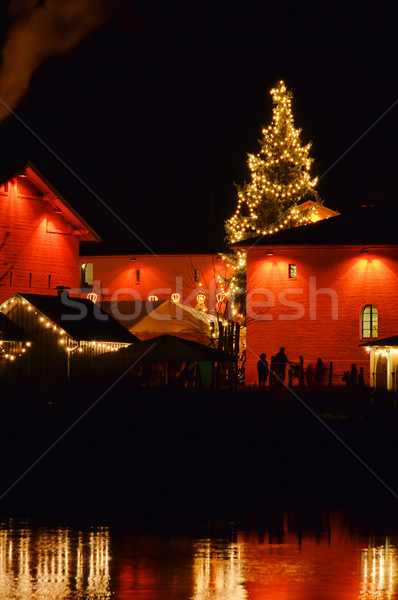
column 321, row 290
column 179, row 277
column 40, row 234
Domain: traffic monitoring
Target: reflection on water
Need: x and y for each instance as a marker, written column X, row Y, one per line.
column 379, row 572
column 57, row 564
column 285, row 560
column 218, row 572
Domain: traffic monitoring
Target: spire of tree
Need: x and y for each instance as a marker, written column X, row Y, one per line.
column 280, row 177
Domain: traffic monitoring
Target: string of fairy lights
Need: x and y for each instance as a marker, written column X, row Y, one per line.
column 279, row 175
column 64, row 339
column 280, row 180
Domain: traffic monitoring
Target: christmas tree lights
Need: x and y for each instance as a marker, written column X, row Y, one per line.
column 280, row 183
column 280, row 177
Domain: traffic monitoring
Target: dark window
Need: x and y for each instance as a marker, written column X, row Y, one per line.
column 292, row 271
column 30, row 280
column 10, row 278
column 196, row 274
column 49, row 281
column 138, row 276
column 369, row 322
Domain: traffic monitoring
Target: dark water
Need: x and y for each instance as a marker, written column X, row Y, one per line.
column 285, row 559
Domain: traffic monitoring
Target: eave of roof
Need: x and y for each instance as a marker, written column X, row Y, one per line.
column 60, row 203
column 94, row 324
column 366, row 226
column 388, row 341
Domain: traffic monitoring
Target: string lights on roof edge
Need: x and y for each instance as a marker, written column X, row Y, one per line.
column 64, row 338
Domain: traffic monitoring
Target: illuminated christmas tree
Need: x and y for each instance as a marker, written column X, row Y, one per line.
column 280, row 183
column 280, row 177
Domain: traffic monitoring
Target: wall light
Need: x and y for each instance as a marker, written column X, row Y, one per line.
column 133, row 258
column 269, row 252
column 364, row 251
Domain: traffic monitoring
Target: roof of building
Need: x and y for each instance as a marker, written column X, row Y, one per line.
column 172, row 348
column 51, row 195
column 366, row 226
column 129, row 312
column 10, row 332
column 146, row 319
column 80, row 318
column 388, row 341
column 127, row 246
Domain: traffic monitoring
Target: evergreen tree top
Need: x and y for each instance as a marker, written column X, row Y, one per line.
column 280, row 176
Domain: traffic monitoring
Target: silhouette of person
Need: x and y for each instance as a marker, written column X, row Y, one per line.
column 353, row 374
column 262, row 370
column 281, row 361
column 319, row 372
column 309, row 375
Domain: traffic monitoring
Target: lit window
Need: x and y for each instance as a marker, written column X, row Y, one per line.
column 292, row 271
column 370, row 322
column 87, row 276
column 196, row 274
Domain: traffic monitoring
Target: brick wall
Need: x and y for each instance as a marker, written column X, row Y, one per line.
column 161, row 275
column 317, row 313
column 38, row 248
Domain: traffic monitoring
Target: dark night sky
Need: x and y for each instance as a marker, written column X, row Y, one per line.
column 156, row 110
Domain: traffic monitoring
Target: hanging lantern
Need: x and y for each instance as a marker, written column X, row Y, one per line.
column 153, row 298
column 201, row 298
column 220, row 297
column 175, row 297
column 93, row 297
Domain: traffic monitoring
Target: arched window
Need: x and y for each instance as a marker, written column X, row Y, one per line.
column 369, row 322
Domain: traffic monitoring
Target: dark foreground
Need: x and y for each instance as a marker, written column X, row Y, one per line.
column 150, row 457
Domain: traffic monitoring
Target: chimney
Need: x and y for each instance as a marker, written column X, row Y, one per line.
column 62, row 290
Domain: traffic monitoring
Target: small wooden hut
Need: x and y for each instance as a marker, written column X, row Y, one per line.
column 66, row 333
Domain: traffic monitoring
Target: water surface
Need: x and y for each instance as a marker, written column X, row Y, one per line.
column 283, row 559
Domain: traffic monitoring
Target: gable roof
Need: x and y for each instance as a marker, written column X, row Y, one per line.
column 366, row 226
column 10, row 332
column 129, row 312
column 80, row 318
column 146, row 319
column 171, row 348
column 55, row 199
column 175, row 318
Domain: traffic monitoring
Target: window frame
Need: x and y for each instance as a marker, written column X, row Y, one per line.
column 369, row 326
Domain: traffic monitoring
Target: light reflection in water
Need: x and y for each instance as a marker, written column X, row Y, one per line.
column 218, row 572
column 54, row 564
column 379, row 572
column 287, row 564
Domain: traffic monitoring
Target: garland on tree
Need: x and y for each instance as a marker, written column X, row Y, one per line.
column 280, row 182
column 280, row 178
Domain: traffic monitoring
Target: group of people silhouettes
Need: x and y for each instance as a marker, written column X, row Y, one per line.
column 278, row 364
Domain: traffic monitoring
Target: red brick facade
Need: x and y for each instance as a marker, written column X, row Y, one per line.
column 317, row 313
column 39, row 237
column 137, row 277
